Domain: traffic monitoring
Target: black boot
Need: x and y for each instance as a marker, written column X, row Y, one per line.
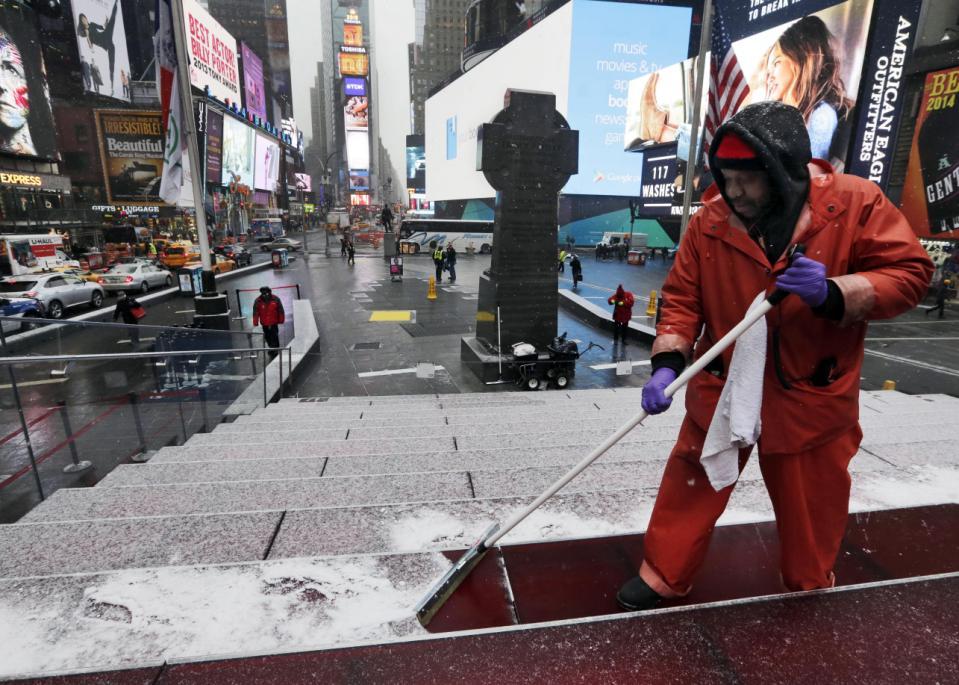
column 636, row 595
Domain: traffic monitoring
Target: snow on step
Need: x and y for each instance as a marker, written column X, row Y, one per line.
column 213, row 471
column 318, row 434
column 131, row 617
column 240, row 450
column 903, row 431
column 491, row 459
column 33, row 549
column 74, row 504
column 276, row 441
column 942, row 453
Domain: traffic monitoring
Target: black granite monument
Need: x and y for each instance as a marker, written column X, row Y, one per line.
column 527, row 154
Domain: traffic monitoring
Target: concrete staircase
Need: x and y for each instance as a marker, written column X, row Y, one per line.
column 320, row 522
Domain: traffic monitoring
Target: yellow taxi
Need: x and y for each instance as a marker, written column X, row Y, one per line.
column 177, row 255
column 220, row 264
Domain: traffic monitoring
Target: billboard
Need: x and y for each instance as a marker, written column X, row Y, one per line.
column 213, row 58
column 254, row 90
column 354, row 64
column 657, row 189
column 238, row 151
column 356, row 113
column 131, row 149
column 657, row 105
column 930, row 195
column 102, row 42
column 594, row 49
column 26, row 119
column 267, row 167
column 354, row 86
column 214, row 147
column 303, row 182
column 353, row 35
column 415, row 164
column 358, row 149
column 359, row 179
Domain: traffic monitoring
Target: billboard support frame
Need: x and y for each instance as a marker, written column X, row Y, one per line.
column 694, row 144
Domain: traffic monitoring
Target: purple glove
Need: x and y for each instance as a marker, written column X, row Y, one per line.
column 654, row 401
column 806, row 278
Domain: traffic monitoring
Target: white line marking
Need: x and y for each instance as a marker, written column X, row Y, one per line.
column 393, row 372
column 913, row 362
column 186, row 311
column 918, row 339
column 127, row 342
column 605, row 367
column 908, row 323
column 27, row 384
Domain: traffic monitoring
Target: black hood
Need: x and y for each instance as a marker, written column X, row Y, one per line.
column 777, row 132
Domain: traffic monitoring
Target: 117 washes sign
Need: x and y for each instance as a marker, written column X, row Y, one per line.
column 213, row 56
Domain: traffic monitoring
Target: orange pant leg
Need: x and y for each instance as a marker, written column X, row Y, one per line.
column 810, row 495
column 683, row 517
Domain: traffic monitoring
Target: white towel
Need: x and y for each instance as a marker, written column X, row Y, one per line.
column 737, row 422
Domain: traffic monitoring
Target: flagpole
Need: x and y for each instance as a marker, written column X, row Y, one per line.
column 193, row 153
column 704, row 38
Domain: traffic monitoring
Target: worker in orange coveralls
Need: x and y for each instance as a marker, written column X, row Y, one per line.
column 862, row 262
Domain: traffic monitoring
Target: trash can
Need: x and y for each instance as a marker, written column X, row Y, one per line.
column 281, row 258
column 190, row 280
column 636, row 257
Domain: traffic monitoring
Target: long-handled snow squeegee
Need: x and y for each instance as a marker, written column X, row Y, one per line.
column 428, row 606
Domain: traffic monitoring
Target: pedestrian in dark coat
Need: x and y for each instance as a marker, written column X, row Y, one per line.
column 268, row 313
column 350, row 253
column 125, row 310
column 577, row 268
column 451, row 262
column 942, row 292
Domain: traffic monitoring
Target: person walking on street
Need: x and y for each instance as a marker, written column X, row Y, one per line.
column 343, row 246
column 268, row 313
column 131, row 312
column 622, row 301
column 451, row 262
column 350, row 253
column 386, row 217
column 577, row 268
column 561, row 267
column 942, row 292
column 438, row 258
column 862, row 262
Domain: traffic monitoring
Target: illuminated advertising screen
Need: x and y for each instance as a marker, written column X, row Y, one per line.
column 594, row 49
column 656, row 106
column 213, row 58
column 358, row 149
column 353, row 35
column 267, row 166
column 356, row 113
column 354, row 64
column 359, row 179
column 415, row 164
column 354, row 86
column 303, row 182
column 26, row 120
column 930, row 196
column 238, row 152
column 254, row 90
column 214, row 147
column 359, row 200
column 102, row 42
column 131, row 148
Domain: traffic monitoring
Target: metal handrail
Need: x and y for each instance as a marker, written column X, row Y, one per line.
column 39, row 324
column 10, row 361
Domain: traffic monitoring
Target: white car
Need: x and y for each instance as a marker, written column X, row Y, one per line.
column 285, row 243
column 58, row 292
column 138, row 276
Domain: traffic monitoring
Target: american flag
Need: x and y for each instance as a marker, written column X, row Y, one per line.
column 728, row 88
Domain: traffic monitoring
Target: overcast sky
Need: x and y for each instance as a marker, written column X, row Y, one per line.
column 392, row 31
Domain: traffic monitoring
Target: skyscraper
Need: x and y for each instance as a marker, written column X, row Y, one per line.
column 262, row 25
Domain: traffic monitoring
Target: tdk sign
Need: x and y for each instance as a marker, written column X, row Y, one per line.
column 354, row 86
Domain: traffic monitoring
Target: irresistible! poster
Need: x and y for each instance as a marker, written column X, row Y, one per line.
column 131, row 147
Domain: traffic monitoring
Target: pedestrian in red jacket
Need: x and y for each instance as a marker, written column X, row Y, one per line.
column 622, row 303
column 268, row 312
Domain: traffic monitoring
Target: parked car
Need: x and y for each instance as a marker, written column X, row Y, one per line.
column 57, row 292
column 282, row 243
column 91, row 276
column 139, row 276
column 239, row 254
column 220, row 264
column 21, row 308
